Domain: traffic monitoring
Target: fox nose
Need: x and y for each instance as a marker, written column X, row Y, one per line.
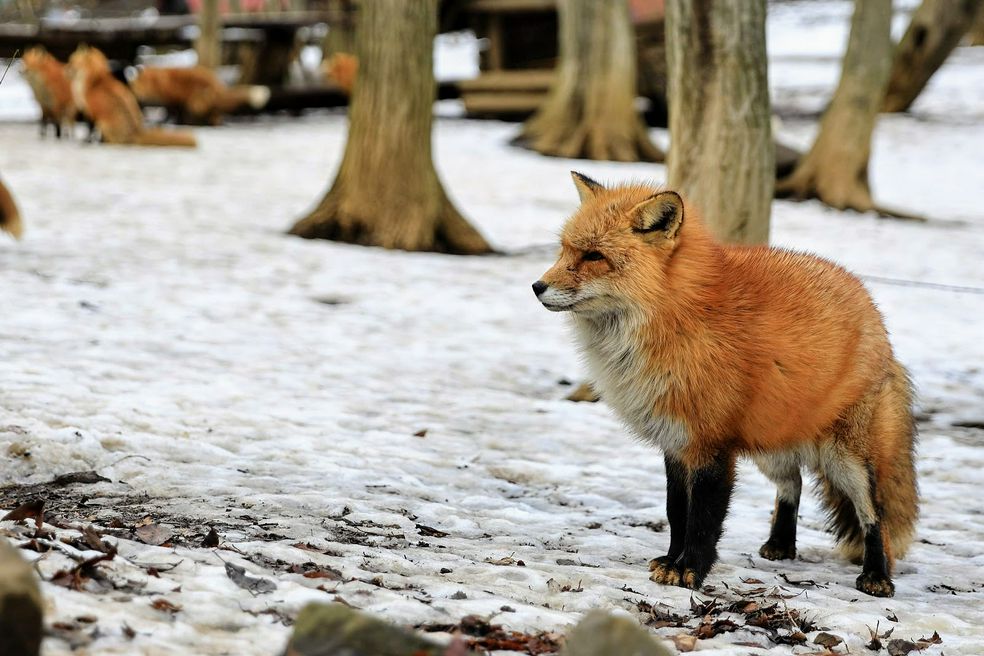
column 539, row 287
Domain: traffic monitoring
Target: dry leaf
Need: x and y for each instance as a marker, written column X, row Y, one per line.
column 153, row 534
column 684, row 642
column 253, row 584
column 828, row 640
column 212, row 539
column 164, row 605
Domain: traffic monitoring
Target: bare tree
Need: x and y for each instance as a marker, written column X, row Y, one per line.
column 936, row 28
column 590, row 111
column 209, row 45
column 721, row 157
column 387, row 192
column 836, row 168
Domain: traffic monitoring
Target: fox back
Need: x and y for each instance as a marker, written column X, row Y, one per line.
column 696, row 343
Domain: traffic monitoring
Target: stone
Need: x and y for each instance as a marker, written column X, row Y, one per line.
column 20, row 604
column 602, row 634
column 337, row 630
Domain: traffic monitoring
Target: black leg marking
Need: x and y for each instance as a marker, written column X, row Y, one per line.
column 709, row 494
column 875, row 579
column 676, row 505
column 676, row 513
column 781, row 544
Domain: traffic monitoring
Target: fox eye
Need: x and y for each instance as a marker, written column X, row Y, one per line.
column 593, row 256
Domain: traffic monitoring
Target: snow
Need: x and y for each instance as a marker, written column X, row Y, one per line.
column 160, row 328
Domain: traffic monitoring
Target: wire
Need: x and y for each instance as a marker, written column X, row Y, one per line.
column 959, row 289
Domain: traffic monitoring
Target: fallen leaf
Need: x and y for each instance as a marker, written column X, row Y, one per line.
column 828, row 640
column 899, row 647
column 30, row 510
column 429, row 532
column 153, row 534
column 252, row 584
column 212, row 539
column 684, row 642
column 164, row 605
column 86, row 477
column 128, row 632
column 421, row 433
column 93, row 539
column 326, row 573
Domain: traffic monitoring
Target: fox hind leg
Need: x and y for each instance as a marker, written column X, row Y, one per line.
column 853, row 479
column 783, row 470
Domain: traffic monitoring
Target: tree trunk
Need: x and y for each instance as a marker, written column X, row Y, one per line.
column 209, row 44
column 836, row 168
column 936, row 28
column 341, row 31
column 590, row 111
column 722, row 158
column 387, row 192
column 977, row 30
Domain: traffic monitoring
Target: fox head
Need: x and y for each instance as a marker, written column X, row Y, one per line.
column 87, row 61
column 615, row 250
column 34, row 57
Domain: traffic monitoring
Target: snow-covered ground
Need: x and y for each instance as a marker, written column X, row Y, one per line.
column 157, row 326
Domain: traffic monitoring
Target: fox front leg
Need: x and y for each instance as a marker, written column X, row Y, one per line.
column 709, row 489
column 676, row 515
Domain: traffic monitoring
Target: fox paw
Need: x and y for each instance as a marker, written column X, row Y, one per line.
column 876, row 585
column 668, row 573
column 773, row 551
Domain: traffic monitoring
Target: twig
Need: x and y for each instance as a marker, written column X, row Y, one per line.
column 9, row 62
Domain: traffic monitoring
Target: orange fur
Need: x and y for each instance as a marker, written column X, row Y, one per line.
column 196, row 92
column 47, row 78
column 342, row 69
column 10, row 220
column 111, row 106
column 741, row 350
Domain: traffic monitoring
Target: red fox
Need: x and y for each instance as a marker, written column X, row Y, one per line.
column 111, row 106
column 195, row 94
column 342, row 69
column 10, row 220
column 46, row 76
column 712, row 351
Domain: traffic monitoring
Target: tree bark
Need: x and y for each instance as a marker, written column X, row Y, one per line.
column 977, row 30
column 722, row 158
column 387, row 192
column 209, row 44
column 936, row 29
column 836, row 168
column 590, row 111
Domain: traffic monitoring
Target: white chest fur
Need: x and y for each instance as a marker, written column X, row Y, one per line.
column 621, row 375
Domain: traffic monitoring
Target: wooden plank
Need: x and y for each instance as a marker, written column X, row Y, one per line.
column 502, row 103
column 511, row 6
column 519, row 80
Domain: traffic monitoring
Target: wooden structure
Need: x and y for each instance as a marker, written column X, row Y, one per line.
column 269, row 38
column 518, row 62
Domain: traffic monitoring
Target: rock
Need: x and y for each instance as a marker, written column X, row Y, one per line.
column 20, row 604
column 337, row 630
column 601, row 634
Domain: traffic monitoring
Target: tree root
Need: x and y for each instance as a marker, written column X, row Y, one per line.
column 589, row 141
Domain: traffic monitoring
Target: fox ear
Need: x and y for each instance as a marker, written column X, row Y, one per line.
column 660, row 215
column 586, row 187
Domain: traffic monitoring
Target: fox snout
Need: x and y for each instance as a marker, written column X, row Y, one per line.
column 554, row 298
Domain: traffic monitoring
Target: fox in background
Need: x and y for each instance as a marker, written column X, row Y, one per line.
column 195, row 95
column 110, row 105
column 712, row 351
column 49, row 83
